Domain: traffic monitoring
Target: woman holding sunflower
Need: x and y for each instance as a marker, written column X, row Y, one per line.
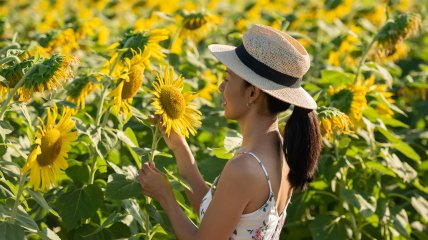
column 250, row 197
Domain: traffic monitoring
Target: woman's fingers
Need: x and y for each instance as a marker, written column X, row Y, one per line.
column 152, row 181
column 152, row 164
column 154, row 168
column 145, row 168
column 156, row 119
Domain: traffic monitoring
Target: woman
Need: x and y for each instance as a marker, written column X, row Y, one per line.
column 250, row 197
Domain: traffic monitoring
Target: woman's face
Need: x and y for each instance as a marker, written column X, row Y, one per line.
column 234, row 100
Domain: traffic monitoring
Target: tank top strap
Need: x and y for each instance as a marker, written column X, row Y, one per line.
column 263, row 168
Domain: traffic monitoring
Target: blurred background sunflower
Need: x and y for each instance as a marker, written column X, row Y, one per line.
column 48, row 157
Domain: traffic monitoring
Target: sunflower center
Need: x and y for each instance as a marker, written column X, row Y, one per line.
column 194, row 22
column 131, row 87
column 51, row 147
column 172, row 101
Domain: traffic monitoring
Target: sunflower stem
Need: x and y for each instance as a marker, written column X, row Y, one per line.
column 100, row 107
column 354, row 227
column 156, row 137
column 9, row 59
column 363, row 58
column 93, row 171
column 147, row 222
column 105, row 119
column 12, row 93
column 18, row 196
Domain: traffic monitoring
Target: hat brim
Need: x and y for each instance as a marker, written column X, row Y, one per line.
column 297, row 96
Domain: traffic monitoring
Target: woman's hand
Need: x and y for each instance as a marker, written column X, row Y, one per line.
column 173, row 141
column 154, row 183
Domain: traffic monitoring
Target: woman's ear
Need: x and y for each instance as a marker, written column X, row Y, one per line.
column 255, row 93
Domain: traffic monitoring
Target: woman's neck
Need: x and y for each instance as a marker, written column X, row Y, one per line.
column 259, row 131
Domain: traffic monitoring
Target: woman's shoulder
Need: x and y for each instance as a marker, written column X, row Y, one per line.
column 242, row 168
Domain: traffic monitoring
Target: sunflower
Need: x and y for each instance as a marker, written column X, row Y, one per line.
column 64, row 41
column 350, row 99
column 174, row 107
column 401, row 5
column 3, row 92
column 147, row 40
column 398, row 52
column 79, row 89
column 52, row 144
column 333, row 122
column 130, row 80
column 93, row 28
column 345, row 54
column 192, row 26
column 336, row 9
column 47, row 75
column 196, row 24
column 394, row 32
column 12, row 75
column 376, row 15
column 359, row 101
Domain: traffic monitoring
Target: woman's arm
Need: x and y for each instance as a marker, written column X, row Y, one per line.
column 232, row 195
column 188, row 169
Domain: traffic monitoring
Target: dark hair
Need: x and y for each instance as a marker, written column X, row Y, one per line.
column 302, row 142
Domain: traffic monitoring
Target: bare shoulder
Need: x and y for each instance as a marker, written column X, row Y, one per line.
column 241, row 170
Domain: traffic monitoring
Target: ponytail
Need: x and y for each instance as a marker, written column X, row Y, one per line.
column 302, row 142
column 302, row 146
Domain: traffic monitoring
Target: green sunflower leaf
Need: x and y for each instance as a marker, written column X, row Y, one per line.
column 120, row 187
column 398, row 144
column 326, row 227
column 77, row 204
column 11, row 231
column 336, row 78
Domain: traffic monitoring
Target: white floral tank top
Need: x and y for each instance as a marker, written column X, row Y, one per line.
column 263, row 224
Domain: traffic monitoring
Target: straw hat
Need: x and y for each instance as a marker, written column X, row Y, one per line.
column 271, row 60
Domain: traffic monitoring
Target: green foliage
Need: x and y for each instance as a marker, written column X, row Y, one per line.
column 78, row 204
column 119, row 187
column 370, row 184
column 11, row 231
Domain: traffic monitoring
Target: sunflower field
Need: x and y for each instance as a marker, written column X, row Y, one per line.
column 80, row 80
